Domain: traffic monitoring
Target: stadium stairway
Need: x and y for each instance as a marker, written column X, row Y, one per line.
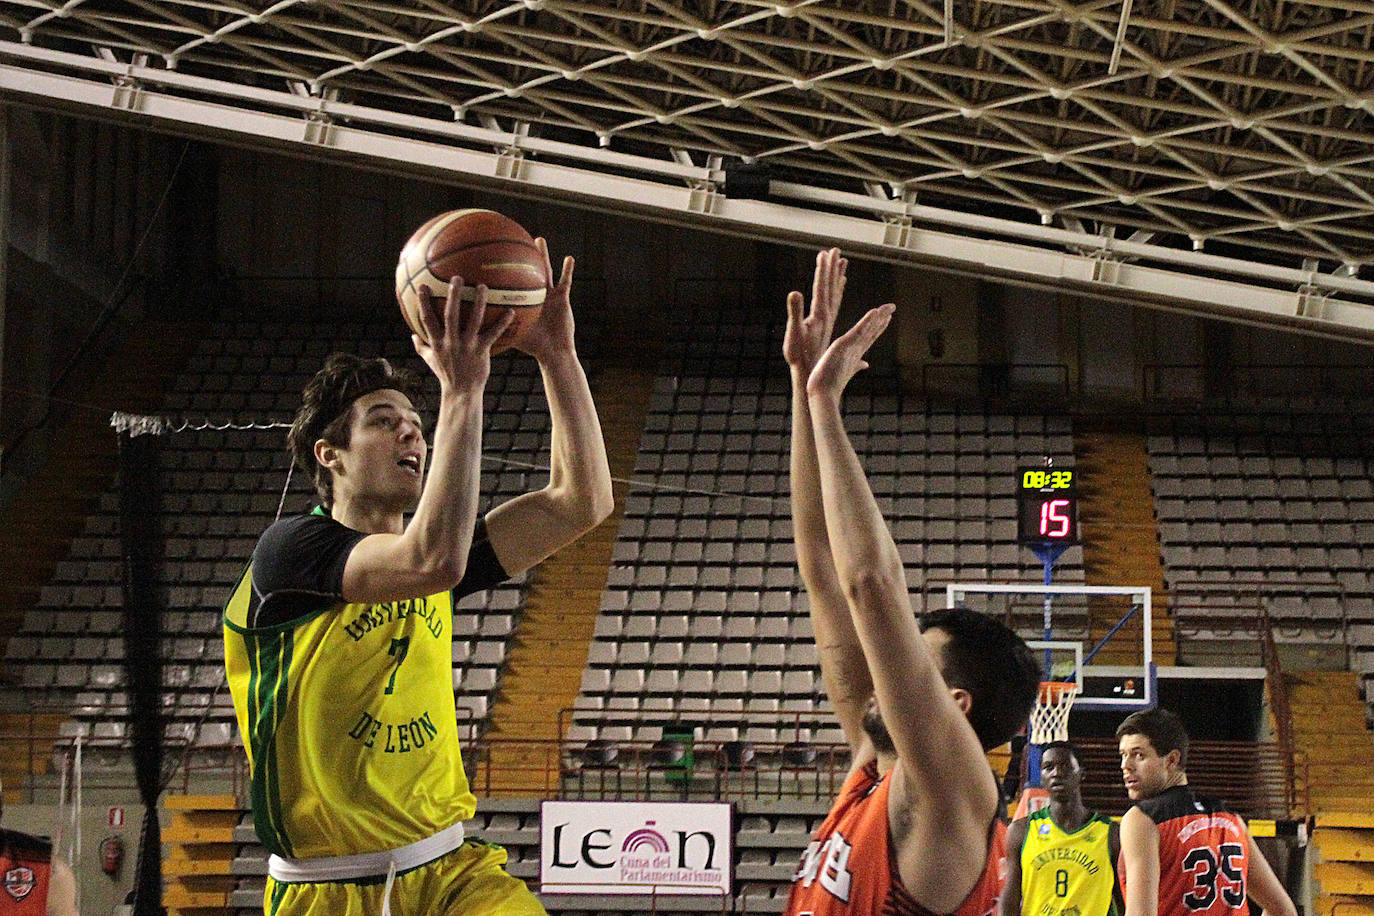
column 544, row 669
column 199, row 851
column 1329, row 730
column 1120, row 537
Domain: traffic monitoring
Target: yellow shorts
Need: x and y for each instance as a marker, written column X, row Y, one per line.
column 469, row 881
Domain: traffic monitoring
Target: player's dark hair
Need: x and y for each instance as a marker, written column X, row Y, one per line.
column 1001, row 674
column 326, row 410
column 1164, row 729
column 1065, row 746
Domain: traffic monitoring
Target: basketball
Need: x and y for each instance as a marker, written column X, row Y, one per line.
column 481, row 246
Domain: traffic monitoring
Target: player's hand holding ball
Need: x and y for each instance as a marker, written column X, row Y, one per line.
column 552, row 332
column 456, row 337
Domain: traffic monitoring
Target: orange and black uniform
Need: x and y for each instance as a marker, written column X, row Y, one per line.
column 1204, row 855
column 850, row 869
column 25, row 867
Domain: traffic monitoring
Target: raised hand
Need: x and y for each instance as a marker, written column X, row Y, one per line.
column 553, row 332
column 808, row 333
column 458, row 350
column 844, row 358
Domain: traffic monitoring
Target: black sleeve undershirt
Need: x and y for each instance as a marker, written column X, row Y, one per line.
column 299, row 562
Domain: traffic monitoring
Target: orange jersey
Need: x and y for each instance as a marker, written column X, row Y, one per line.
column 25, row 864
column 1204, row 856
column 849, row 868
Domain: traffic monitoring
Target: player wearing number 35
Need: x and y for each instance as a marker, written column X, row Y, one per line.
column 1181, row 854
column 338, row 638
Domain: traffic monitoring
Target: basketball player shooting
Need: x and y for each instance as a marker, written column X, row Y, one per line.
column 338, row 637
column 916, row 827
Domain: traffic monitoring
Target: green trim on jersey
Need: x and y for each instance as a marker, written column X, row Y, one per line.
column 269, row 661
column 349, row 723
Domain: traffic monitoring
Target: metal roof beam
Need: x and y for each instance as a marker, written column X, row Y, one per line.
column 803, row 214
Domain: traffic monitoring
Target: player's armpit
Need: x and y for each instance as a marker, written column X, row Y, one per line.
column 850, row 689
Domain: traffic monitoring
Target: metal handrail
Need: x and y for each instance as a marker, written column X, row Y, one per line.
column 1278, row 704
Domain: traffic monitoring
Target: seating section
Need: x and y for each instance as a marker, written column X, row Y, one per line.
column 1269, row 505
column 703, row 618
column 703, row 626
column 221, row 486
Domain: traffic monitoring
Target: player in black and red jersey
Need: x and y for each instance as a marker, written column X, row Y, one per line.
column 1181, row 854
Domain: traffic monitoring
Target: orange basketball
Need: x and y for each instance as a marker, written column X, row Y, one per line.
column 481, row 246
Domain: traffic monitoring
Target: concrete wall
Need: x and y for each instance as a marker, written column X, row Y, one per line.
column 99, row 893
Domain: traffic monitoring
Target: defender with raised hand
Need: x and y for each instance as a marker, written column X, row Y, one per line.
column 916, row 828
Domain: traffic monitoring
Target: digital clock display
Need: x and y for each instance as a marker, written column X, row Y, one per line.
column 1040, row 479
column 1046, row 506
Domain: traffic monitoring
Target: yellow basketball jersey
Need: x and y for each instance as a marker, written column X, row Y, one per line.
column 348, row 719
column 1066, row 874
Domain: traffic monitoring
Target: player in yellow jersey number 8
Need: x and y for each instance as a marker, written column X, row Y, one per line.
column 1061, row 858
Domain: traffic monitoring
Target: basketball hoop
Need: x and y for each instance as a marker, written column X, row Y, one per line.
column 1050, row 716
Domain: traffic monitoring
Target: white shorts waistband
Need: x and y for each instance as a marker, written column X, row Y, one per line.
column 367, row 864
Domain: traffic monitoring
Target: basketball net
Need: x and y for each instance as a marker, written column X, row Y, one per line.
column 1050, row 716
column 1049, row 721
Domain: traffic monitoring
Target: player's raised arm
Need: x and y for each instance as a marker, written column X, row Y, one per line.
column 941, row 781
column 577, row 498
column 1140, row 863
column 430, row 553
column 843, row 668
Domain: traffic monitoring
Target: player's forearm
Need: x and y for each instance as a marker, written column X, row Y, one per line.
column 579, row 473
column 866, row 556
column 439, row 534
column 809, row 534
column 844, row 669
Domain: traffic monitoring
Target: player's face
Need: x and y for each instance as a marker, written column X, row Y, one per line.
column 873, row 724
column 385, row 459
column 1060, row 774
column 1144, row 772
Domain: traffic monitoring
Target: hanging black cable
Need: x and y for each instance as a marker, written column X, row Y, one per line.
column 141, row 548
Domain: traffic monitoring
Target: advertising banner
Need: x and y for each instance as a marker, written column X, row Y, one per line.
column 596, row 847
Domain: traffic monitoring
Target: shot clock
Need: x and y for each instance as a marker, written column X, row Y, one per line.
column 1046, row 506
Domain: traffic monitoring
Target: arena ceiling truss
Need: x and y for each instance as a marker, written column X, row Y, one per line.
column 1212, row 155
